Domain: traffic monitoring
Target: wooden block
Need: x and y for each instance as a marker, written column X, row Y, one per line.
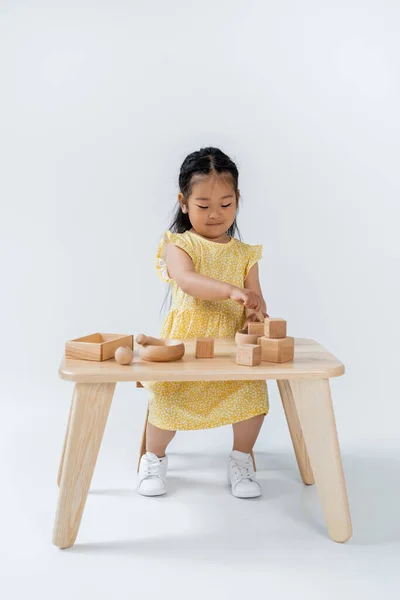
column 97, row 346
column 277, row 350
column 205, row 347
column 248, row 354
column 256, row 328
column 275, row 328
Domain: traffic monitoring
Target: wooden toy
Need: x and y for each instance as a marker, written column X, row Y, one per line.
column 97, row 346
column 256, row 328
column 204, row 347
column 159, row 349
column 277, row 350
column 124, row 355
column 243, row 337
column 146, row 340
column 248, row 354
column 274, row 328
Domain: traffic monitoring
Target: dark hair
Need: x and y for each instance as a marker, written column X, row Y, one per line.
column 203, row 162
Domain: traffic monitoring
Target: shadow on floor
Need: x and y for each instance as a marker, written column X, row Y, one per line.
column 373, row 486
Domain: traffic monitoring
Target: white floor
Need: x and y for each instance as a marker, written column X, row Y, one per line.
column 198, row 541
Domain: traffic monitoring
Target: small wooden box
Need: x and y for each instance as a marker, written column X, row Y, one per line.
column 277, row 350
column 275, row 328
column 97, row 346
column 248, row 354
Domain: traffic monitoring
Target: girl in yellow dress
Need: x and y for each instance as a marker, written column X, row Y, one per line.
column 216, row 291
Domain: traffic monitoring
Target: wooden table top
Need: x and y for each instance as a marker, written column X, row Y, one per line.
column 311, row 361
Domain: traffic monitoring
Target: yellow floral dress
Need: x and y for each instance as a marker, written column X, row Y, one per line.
column 184, row 405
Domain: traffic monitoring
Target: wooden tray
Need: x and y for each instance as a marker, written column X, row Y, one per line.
column 97, row 346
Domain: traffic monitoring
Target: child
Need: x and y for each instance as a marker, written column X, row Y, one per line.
column 215, row 292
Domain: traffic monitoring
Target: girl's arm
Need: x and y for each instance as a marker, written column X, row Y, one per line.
column 252, row 282
column 181, row 268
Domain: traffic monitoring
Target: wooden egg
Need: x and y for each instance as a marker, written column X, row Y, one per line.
column 124, row 355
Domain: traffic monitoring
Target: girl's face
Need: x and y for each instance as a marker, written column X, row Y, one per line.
column 211, row 206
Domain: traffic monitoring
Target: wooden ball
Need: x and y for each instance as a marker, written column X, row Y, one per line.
column 124, row 355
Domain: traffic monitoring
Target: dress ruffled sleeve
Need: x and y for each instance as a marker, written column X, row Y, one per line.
column 253, row 256
column 161, row 263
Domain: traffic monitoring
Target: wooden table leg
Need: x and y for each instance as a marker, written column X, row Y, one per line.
column 313, row 402
column 90, row 407
column 64, row 446
column 296, row 433
column 143, row 443
column 253, row 459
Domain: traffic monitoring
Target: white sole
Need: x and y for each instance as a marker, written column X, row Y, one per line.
column 238, row 495
column 154, row 493
column 246, row 495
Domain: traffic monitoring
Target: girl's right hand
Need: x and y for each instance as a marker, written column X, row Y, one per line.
column 245, row 297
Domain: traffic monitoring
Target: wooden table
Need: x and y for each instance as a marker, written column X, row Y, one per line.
column 304, row 389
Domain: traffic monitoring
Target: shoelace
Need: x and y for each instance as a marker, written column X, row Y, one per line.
column 244, row 470
column 150, row 468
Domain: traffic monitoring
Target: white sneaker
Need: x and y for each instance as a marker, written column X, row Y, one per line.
column 152, row 475
column 241, row 475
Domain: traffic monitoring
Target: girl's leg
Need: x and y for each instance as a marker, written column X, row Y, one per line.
column 246, row 432
column 157, row 439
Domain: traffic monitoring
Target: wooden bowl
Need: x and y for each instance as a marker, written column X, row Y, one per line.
column 165, row 350
column 242, row 337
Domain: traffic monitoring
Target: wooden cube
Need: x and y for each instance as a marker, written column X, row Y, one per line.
column 248, row 354
column 256, row 328
column 205, row 347
column 97, row 346
column 277, row 350
column 275, row 328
